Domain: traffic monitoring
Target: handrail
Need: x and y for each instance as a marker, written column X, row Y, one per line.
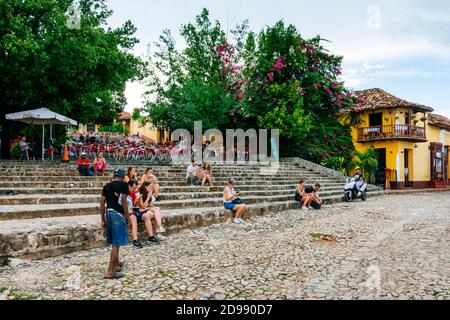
column 391, row 131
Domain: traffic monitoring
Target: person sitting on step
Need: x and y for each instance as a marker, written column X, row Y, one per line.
column 100, row 164
column 192, row 174
column 131, row 174
column 146, row 205
column 149, row 176
column 207, row 175
column 312, row 199
column 233, row 203
column 138, row 215
column 300, row 193
column 84, row 166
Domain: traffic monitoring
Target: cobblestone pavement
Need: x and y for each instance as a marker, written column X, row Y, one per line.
column 394, row 247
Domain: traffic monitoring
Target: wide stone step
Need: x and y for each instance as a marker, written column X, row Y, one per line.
column 175, row 182
column 40, row 178
column 164, row 189
column 110, row 169
column 41, row 238
column 161, row 175
column 95, row 198
column 33, row 211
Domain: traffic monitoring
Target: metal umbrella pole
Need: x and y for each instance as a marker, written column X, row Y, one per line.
column 43, row 133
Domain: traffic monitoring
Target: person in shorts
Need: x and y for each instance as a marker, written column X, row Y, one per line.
column 139, row 216
column 115, row 215
column 192, row 174
column 313, row 201
column 230, row 196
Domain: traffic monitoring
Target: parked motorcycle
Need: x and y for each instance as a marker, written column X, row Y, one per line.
column 352, row 193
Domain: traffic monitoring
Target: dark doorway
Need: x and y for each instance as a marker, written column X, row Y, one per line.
column 407, row 118
column 446, row 165
column 381, row 171
column 376, row 120
column 407, row 172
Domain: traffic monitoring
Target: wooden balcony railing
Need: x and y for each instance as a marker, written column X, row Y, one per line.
column 392, row 132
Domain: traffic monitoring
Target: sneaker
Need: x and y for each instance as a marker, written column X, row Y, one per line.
column 160, row 230
column 242, row 221
column 137, row 244
column 152, row 240
column 237, row 221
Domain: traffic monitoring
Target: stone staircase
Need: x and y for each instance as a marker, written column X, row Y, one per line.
column 46, row 209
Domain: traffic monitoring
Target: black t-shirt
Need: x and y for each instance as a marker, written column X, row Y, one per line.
column 112, row 191
column 309, row 190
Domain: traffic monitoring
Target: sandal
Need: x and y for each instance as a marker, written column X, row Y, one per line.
column 121, row 265
column 115, row 276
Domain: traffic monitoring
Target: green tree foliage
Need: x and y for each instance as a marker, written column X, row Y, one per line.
column 79, row 72
column 188, row 86
column 368, row 163
column 291, row 84
column 275, row 80
column 115, row 128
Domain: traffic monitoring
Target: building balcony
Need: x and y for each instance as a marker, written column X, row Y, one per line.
column 392, row 132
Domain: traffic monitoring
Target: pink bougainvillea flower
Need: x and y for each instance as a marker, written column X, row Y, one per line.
column 329, row 92
column 270, row 76
column 335, row 85
column 279, row 63
column 309, row 49
column 221, row 48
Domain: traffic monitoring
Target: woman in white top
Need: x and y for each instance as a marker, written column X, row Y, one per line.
column 229, row 195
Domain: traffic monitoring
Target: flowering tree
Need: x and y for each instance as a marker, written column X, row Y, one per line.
column 291, row 84
column 273, row 80
column 189, row 86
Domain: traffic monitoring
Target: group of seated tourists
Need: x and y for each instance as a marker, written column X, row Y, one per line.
column 198, row 175
column 86, row 169
column 308, row 196
column 143, row 193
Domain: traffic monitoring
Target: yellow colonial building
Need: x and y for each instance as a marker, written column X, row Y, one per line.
column 412, row 143
column 133, row 127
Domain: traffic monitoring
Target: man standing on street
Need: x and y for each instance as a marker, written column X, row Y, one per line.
column 115, row 215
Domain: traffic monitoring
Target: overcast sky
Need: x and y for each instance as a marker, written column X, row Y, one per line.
column 402, row 46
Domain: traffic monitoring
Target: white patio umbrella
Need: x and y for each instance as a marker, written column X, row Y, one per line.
column 42, row 117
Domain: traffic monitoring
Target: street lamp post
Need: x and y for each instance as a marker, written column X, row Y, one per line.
column 124, row 123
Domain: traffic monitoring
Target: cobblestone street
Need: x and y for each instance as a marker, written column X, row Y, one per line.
column 393, row 247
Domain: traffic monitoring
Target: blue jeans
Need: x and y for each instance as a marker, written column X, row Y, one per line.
column 116, row 229
column 85, row 171
column 188, row 179
column 229, row 205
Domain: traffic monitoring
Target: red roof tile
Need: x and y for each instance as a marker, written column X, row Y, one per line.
column 380, row 99
column 439, row 121
column 125, row 116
